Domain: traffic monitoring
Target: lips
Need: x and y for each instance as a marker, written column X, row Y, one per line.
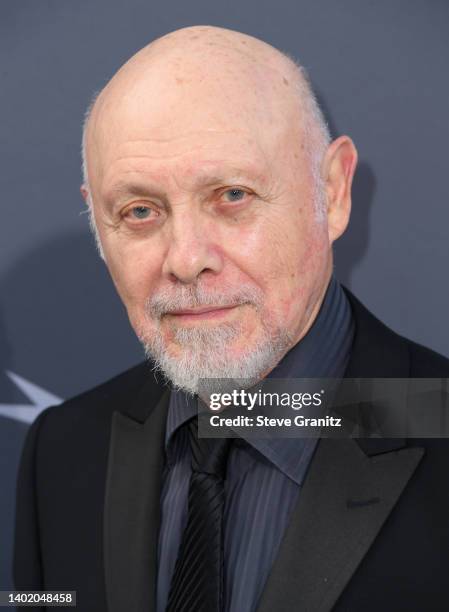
column 198, row 311
column 204, row 313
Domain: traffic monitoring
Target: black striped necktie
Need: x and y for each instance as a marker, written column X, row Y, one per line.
column 197, row 582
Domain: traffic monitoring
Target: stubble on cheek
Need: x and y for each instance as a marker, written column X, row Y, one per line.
column 299, row 277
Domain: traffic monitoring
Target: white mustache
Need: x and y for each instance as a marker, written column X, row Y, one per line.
column 191, row 296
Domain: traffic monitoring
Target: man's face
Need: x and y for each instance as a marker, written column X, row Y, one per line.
column 210, row 233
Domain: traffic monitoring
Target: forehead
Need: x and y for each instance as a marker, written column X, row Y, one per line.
column 192, row 158
column 195, row 159
column 191, row 114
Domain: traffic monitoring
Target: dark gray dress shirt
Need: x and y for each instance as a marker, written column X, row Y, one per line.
column 264, row 476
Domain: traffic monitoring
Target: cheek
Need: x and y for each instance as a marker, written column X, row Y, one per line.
column 307, row 286
column 292, row 269
column 281, row 250
column 262, row 249
column 134, row 273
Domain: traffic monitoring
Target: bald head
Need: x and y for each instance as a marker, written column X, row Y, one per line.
column 204, row 78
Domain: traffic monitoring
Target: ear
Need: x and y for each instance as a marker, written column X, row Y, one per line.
column 85, row 193
column 338, row 169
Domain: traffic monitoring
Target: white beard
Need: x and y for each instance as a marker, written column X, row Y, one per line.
column 205, row 362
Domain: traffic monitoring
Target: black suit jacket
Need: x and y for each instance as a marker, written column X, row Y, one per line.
column 89, row 485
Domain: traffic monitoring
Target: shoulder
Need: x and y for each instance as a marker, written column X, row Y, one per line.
column 73, row 438
column 426, row 363
column 380, row 352
column 93, row 409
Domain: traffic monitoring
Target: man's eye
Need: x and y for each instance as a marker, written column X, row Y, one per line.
column 140, row 212
column 234, row 195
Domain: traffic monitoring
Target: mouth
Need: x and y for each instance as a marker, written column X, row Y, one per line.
column 201, row 314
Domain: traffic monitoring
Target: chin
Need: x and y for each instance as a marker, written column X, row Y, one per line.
column 192, row 355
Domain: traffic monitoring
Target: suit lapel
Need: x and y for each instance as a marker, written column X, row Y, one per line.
column 131, row 510
column 345, row 499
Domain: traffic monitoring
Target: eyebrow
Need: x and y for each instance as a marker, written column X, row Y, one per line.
column 123, row 188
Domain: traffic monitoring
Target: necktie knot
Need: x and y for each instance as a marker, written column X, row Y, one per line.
column 209, row 455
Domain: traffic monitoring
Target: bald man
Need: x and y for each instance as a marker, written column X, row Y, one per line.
column 215, row 194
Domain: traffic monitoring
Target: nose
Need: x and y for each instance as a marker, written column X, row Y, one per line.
column 192, row 248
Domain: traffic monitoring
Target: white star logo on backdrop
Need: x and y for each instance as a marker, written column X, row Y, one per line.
column 39, row 400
